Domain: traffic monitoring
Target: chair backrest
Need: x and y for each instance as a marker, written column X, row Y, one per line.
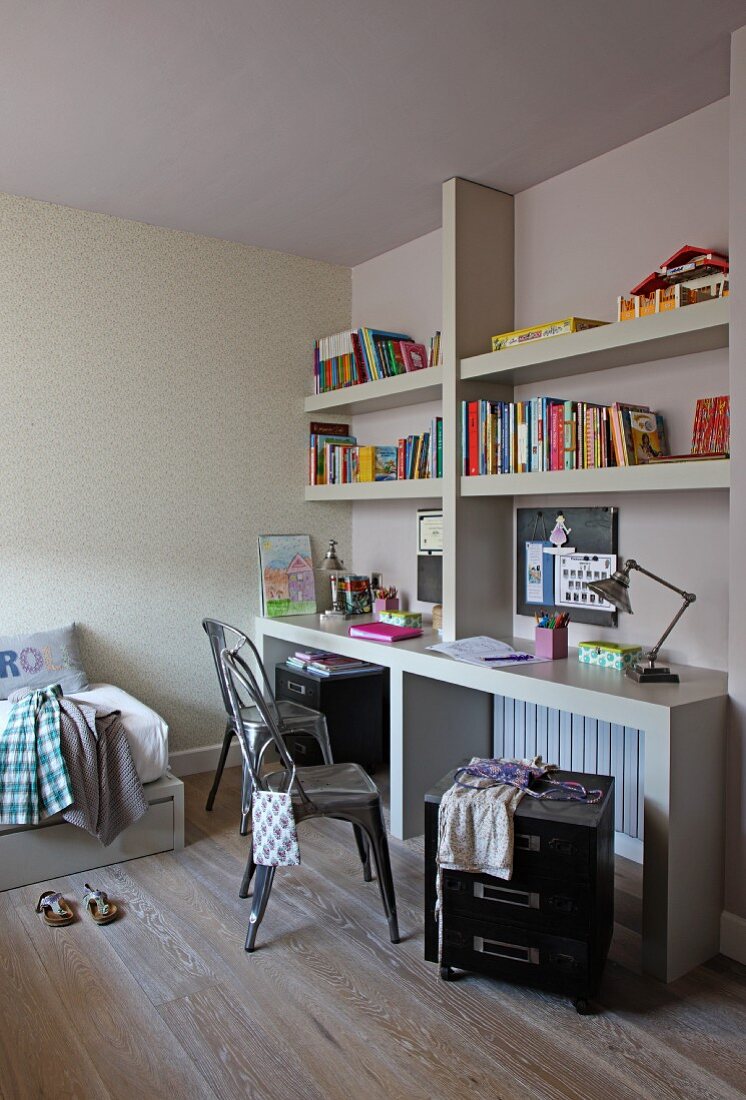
column 223, row 636
column 237, row 675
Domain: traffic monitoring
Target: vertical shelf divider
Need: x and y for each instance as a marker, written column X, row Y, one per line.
column 478, row 300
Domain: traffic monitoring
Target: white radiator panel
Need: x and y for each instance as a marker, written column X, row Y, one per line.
column 577, row 744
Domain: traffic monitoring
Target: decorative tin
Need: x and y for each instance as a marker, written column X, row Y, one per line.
column 608, row 654
column 401, row 618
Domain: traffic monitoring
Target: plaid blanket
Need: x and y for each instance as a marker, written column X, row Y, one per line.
column 33, row 776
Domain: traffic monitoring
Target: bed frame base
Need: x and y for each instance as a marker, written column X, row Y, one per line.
column 36, row 853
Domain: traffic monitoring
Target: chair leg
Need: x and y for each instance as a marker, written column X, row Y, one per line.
column 227, row 738
column 264, row 878
column 248, row 873
column 385, row 878
column 363, row 847
column 246, row 796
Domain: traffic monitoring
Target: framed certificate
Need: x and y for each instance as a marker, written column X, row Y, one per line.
column 430, row 531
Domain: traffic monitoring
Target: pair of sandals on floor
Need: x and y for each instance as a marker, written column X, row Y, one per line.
column 56, row 911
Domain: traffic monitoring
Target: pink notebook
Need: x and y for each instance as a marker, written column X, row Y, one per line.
column 384, row 632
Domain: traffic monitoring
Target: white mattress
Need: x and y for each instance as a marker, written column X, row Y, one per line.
column 146, row 731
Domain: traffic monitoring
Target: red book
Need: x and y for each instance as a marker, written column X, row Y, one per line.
column 401, row 460
column 415, row 356
column 361, row 372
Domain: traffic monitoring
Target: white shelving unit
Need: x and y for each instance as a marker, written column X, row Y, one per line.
column 479, row 567
column 478, row 300
column 663, row 477
column 426, row 488
column 384, row 393
column 696, row 328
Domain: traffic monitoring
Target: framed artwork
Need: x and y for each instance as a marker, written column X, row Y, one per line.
column 286, row 575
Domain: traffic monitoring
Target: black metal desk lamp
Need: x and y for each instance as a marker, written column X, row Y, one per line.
column 615, row 589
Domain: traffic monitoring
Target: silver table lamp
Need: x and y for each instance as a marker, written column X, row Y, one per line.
column 615, row 589
column 333, row 566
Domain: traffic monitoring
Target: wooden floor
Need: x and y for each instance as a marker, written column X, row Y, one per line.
column 164, row 1002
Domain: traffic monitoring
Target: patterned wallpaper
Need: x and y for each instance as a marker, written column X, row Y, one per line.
column 151, row 427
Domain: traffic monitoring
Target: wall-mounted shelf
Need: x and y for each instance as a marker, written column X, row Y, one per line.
column 426, row 488
column 663, row 477
column 696, row 328
column 385, row 393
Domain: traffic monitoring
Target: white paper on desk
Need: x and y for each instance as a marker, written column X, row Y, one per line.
column 475, row 651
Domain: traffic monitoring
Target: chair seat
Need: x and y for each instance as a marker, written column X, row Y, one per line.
column 330, row 785
column 292, row 714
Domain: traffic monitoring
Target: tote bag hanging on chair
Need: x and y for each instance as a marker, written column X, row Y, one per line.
column 275, row 836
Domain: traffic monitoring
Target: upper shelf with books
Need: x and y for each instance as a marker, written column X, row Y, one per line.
column 685, row 331
column 652, row 477
column 426, row 488
column 384, row 393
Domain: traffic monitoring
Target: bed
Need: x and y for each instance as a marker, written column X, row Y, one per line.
column 32, row 853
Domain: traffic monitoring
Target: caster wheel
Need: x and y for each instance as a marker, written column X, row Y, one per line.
column 582, row 1007
column 446, row 974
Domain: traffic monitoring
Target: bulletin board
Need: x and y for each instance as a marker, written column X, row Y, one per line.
column 594, row 532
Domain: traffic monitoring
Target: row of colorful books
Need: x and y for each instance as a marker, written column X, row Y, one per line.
column 320, row 662
column 337, row 459
column 546, row 433
column 350, row 358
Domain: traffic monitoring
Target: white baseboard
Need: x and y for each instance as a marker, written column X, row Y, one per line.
column 203, row 759
column 629, row 847
column 733, row 936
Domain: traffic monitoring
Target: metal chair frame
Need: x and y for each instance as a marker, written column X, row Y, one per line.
column 361, row 808
column 286, row 715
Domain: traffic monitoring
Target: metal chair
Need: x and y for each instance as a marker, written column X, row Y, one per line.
column 290, row 717
column 342, row 791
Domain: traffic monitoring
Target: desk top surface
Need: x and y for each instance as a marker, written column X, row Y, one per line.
column 565, row 684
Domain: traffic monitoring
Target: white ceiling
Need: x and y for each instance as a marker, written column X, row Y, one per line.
column 325, row 127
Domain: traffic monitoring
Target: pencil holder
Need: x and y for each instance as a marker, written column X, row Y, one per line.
column 386, row 605
column 551, row 643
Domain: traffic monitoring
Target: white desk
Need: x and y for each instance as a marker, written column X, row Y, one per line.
column 441, row 711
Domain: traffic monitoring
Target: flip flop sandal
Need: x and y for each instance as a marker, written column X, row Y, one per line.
column 98, row 905
column 54, row 909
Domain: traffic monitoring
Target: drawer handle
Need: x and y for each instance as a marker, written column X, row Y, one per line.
column 565, row 847
column 562, row 904
column 514, row 951
column 565, row 962
column 527, row 843
column 293, row 685
column 527, row 899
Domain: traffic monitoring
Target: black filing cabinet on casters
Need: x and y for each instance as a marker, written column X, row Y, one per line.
column 354, row 709
column 551, row 924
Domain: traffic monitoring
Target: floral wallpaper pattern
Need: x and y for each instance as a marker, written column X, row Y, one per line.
column 151, row 387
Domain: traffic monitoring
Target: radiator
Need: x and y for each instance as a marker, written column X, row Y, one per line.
column 578, row 744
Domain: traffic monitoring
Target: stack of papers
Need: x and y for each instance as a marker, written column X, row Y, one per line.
column 486, row 652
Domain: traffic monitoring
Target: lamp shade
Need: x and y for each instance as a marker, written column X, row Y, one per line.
column 331, row 563
column 614, row 589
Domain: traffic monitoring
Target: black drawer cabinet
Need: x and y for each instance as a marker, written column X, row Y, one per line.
column 353, row 706
column 551, row 924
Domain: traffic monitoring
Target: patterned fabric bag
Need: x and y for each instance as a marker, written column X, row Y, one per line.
column 275, row 836
column 521, row 773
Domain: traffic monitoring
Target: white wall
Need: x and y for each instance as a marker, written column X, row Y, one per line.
column 151, row 429
column 400, row 291
column 735, row 896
